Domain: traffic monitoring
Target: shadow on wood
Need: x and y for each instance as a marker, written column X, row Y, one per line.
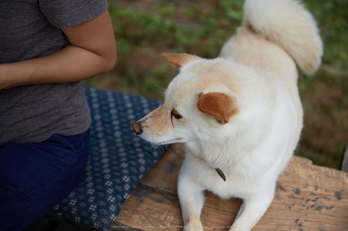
column 344, row 161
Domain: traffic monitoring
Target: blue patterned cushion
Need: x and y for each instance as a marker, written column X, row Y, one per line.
column 118, row 160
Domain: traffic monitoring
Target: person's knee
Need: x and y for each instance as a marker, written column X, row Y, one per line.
column 14, row 207
column 35, row 178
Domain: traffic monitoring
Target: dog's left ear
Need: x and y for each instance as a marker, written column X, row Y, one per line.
column 217, row 104
column 179, row 60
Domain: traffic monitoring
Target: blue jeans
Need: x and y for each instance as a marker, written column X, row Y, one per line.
column 34, row 177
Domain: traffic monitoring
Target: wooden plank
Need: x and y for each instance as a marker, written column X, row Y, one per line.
column 307, row 197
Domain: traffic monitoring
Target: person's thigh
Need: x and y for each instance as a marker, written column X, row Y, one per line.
column 36, row 176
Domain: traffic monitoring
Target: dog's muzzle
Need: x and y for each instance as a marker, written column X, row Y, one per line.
column 137, row 128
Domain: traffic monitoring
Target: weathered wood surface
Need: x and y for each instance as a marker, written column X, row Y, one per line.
column 307, row 197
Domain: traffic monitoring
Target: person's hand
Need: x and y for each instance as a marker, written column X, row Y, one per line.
column 3, row 76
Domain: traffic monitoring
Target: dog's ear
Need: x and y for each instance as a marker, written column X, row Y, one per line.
column 219, row 105
column 179, row 60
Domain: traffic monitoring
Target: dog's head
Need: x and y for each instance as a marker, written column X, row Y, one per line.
column 200, row 100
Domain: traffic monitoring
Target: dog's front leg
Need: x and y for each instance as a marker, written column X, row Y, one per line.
column 191, row 199
column 251, row 212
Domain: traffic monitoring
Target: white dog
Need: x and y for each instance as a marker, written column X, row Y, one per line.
column 239, row 115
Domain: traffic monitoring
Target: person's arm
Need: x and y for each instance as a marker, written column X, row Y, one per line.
column 92, row 52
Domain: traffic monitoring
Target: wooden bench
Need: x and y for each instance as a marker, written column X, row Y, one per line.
column 307, row 197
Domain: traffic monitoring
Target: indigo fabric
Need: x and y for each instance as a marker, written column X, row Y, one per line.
column 36, row 176
column 118, row 160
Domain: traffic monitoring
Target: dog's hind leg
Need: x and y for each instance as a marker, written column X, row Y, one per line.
column 251, row 212
column 191, row 197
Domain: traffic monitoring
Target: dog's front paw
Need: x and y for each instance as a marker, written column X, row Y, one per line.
column 194, row 225
column 241, row 227
column 238, row 229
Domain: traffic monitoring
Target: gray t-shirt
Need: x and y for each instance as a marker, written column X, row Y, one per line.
column 30, row 29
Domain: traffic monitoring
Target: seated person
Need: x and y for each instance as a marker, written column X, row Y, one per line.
column 46, row 48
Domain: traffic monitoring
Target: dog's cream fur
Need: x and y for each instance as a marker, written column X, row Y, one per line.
column 241, row 112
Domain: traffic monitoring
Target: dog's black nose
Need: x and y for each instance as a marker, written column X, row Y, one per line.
column 137, row 128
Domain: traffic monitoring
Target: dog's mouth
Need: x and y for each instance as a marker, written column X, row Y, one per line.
column 138, row 129
column 176, row 140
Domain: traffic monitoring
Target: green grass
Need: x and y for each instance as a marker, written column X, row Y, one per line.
column 332, row 17
column 145, row 29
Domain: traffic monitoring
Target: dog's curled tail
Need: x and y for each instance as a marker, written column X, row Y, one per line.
column 288, row 24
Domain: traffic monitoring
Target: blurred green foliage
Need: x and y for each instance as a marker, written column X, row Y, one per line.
column 332, row 17
column 158, row 26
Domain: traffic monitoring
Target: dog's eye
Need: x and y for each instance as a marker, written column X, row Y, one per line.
column 175, row 114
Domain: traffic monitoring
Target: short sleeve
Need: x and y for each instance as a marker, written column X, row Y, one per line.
column 67, row 13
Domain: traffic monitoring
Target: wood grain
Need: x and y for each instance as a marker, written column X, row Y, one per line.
column 307, row 197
